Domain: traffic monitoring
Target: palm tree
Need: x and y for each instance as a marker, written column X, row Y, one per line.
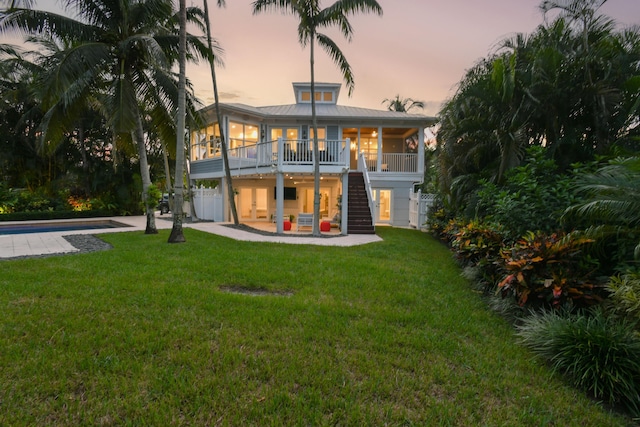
column 22, row 163
column 311, row 19
column 403, row 105
column 223, row 141
column 613, row 201
column 120, row 53
column 177, row 234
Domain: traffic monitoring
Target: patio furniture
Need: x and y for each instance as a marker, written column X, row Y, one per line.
column 304, row 220
column 334, row 222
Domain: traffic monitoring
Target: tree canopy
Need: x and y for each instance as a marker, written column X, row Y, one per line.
column 572, row 87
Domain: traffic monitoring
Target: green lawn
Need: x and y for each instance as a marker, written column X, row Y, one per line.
column 383, row 334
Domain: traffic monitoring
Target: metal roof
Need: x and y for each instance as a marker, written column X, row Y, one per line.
column 326, row 112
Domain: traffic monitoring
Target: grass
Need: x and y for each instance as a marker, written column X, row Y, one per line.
column 382, row 334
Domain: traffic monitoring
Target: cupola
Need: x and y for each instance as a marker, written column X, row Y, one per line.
column 326, row 93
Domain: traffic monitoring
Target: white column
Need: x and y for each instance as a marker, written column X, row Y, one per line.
column 420, row 165
column 347, row 152
column 379, row 151
column 226, row 202
column 280, row 189
column 279, row 202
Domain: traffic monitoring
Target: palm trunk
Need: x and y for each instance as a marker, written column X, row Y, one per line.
column 177, row 234
column 223, row 142
column 146, row 177
column 85, row 161
column 187, row 173
column 316, row 152
column 167, row 174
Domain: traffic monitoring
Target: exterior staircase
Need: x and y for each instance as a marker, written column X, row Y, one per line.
column 359, row 219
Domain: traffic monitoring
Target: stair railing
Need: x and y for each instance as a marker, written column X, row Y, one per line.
column 362, row 166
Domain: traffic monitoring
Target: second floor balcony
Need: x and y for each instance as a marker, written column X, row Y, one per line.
column 294, row 156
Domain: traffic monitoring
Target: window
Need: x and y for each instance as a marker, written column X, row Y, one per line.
column 284, row 133
column 322, row 132
column 242, row 134
column 322, row 137
column 206, row 142
column 321, row 96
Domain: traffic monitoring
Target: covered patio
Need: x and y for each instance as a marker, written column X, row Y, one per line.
column 270, row 227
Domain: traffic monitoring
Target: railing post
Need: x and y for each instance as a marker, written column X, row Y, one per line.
column 346, row 153
column 367, row 184
column 200, row 193
column 379, row 151
column 344, row 205
column 421, row 214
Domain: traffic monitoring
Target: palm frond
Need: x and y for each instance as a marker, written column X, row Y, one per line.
column 30, row 21
column 339, row 59
column 287, row 6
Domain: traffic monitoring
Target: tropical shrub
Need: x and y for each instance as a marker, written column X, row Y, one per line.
column 78, row 203
column 532, row 197
column 451, row 229
column 8, row 199
column 624, row 295
column 39, row 201
column 438, row 221
column 46, row 215
column 599, row 354
column 16, row 205
column 479, row 246
column 550, row 270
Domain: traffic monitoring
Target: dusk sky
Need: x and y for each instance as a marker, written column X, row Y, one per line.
column 417, row 48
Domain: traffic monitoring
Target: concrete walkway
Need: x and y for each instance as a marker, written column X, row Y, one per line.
column 31, row 244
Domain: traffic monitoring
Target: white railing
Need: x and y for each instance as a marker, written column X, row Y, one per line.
column 292, row 152
column 399, row 162
column 393, row 162
column 419, row 206
column 300, row 151
column 362, row 166
column 208, row 203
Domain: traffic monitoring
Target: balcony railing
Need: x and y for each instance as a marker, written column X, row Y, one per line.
column 300, row 151
column 294, row 152
column 393, row 162
column 285, row 152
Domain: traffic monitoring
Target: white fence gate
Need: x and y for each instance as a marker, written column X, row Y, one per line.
column 208, row 203
column 419, row 206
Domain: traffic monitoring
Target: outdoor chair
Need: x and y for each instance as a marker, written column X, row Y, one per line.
column 304, row 220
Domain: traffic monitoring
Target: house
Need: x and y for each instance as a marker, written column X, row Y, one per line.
column 369, row 159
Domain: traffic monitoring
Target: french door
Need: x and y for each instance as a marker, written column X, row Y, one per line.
column 382, row 206
column 253, row 204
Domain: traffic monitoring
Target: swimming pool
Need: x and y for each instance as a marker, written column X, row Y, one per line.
column 47, row 227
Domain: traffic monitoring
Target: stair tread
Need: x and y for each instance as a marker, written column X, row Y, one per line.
column 359, row 219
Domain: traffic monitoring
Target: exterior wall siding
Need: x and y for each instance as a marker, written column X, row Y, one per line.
column 333, row 133
column 401, row 191
column 209, row 166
